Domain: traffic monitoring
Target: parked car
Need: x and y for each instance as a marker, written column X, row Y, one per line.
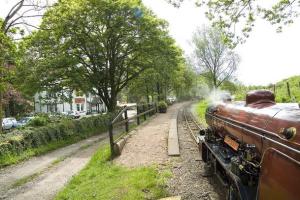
column 7, row 123
column 14, row 121
column 24, row 121
column 74, row 114
column 81, row 113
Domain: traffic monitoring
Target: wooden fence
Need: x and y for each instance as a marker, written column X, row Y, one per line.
column 123, row 119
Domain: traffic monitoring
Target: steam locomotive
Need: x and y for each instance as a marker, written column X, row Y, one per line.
column 253, row 147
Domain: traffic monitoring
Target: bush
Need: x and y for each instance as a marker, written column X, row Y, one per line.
column 17, row 141
column 38, row 121
column 162, row 107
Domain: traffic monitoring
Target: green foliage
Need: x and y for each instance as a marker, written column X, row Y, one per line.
column 102, row 179
column 38, row 121
column 96, row 45
column 215, row 60
column 12, row 145
column 7, row 60
column 237, row 17
column 172, row 77
column 201, row 109
column 281, row 92
column 162, row 106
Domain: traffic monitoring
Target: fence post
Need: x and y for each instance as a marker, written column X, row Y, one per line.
column 155, row 107
column 149, row 108
column 145, row 115
column 137, row 112
column 288, row 89
column 111, row 139
column 126, row 123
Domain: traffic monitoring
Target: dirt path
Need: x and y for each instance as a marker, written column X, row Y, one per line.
column 48, row 184
column 47, row 173
column 148, row 143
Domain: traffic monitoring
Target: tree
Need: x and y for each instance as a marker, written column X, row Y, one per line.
column 215, row 60
column 170, row 75
column 17, row 18
column 175, row 79
column 237, row 18
column 10, row 26
column 7, row 51
column 97, row 45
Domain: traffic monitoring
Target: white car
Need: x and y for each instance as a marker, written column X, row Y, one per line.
column 7, row 123
column 76, row 114
column 14, row 121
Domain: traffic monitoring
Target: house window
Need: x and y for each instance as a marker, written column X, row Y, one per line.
column 80, row 107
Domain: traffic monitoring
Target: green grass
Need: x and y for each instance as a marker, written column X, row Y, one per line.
column 101, row 179
column 16, row 158
column 200, row 109
column 281, row 92
column 26, row 179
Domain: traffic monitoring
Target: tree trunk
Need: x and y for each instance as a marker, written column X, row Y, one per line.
column 215, row 86
column 1, row 112
column 166, row 93
column 112, row 104
column 147, row 94
column 158, row 91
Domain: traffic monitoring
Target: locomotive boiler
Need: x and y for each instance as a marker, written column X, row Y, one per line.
column 254, row 147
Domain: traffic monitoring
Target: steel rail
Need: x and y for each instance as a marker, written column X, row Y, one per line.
column 191, row 131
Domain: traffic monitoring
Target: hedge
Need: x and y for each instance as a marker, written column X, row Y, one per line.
column 14, row 143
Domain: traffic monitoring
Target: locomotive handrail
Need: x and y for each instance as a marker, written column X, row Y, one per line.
column 234, row 123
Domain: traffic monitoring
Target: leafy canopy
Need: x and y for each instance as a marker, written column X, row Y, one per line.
column 96, row 45
column 237, row 17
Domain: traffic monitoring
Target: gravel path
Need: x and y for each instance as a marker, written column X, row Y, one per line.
column 51, row 170
column 148, row 146
column 148, row 143
column 187, row 180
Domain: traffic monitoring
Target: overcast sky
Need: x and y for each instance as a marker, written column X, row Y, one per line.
column 266, row 57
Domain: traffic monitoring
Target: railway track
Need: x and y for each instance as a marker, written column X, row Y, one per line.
column 192, row 125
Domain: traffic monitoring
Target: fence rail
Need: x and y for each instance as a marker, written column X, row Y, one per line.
column 123, row 119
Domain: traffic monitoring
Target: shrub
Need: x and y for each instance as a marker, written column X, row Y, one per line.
column 19, row 140
column 284, row 100
column 38, row 121
column 162, row 107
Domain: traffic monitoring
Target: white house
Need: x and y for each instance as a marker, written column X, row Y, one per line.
column 61, row 102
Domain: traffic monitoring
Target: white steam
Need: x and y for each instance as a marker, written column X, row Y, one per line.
column 215, row 96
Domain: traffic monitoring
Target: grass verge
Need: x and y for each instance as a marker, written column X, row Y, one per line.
column 101, row 179
column 200, row 109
